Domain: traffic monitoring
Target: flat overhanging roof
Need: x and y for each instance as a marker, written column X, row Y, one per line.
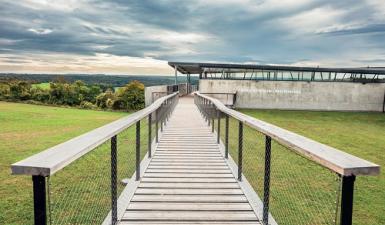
column 199, row 68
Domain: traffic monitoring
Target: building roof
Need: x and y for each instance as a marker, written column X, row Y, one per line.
column 199, row 68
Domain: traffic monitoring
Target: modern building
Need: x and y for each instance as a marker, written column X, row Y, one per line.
column 290, row 87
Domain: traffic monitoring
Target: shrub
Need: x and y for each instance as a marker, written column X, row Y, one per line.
column 87, row 105
column 132, row 95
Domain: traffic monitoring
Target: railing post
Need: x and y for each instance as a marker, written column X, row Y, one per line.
column 114, row 181
column 161, row 119
column 212, row 119
column 219, row 126
column 208, row 114
column 240, row 150
column 347, row 199
column 138, row 150
column 149, row 134
column 227, row 137
column 39, row 200
column 156, row 126
column 266, row 183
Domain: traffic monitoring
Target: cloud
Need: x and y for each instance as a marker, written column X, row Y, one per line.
column 40, row 31
column 347, row 30
column 264, row 31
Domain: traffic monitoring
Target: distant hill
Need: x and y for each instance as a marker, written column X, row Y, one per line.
column 113, row 80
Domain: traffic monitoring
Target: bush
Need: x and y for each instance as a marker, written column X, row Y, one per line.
column 131, row 96
column 87, row 105
column 104, row 100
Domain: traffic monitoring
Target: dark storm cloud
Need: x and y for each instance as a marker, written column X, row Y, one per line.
column 236, row 31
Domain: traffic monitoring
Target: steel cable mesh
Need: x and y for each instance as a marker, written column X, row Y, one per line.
column 254, row 158
column 153, row 128
column 80, row 193
column 223, row 128
column 233, row 139
column 143, row 137
column 301, row 191
column 126, row 157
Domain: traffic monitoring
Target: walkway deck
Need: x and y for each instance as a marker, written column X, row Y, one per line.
column 188, row 181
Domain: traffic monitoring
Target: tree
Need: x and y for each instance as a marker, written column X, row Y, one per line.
column 103, row 100
column 39, row 94
column 4, row 91
column 131, row 96
column 19, row 90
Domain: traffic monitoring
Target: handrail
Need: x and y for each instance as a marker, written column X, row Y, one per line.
column 329, row 157
column 48, row 162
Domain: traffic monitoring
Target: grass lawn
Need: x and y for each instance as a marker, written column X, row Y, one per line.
column 42, row 85
column 28, row 129
column 359, row 133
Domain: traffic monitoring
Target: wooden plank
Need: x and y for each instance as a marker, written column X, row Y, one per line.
column 217, row 171
column 197, row 164
column 191, row 215
column 188, row 185
column 188, row 156
column 151, row 222
column 188, row 160
column 186, row 175
column 184, row 191
column 190, row 153
column 189, row 207
column 189, row 167
column 186, row 150
column 203, row 163
column 189, row 198
column 189, row 180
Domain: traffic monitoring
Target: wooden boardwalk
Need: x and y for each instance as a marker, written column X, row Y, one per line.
column 188, row 180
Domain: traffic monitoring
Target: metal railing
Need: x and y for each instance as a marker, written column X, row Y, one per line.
column 88, row 179
column 228, row 100
column 289, row 179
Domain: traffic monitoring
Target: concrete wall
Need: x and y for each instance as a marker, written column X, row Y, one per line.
column 301, row 95
column 151, row 95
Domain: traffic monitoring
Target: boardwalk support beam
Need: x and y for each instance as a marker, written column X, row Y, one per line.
column 39, row 200
column 149, row 134
column 114, row 182
column 212, row 119
column 240, row 150
column 138, row 150
column 219, row 126
column 156, row 126
column 266, row 183
column 347, row 199
column 227, row 137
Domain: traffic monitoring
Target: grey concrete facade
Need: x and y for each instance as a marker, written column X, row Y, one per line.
column 300, row 95
column 152, row 93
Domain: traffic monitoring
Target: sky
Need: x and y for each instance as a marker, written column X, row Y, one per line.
column 139, row 37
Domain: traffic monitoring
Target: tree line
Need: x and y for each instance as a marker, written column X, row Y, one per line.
column 76, row 94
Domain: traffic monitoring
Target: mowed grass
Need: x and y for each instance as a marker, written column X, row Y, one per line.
column 26, row 130
column 359, row 133
column 42, row 85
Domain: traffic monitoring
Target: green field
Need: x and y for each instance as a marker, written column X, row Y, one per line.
column 27, row 129
column 42, row 85
column 360, row 134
